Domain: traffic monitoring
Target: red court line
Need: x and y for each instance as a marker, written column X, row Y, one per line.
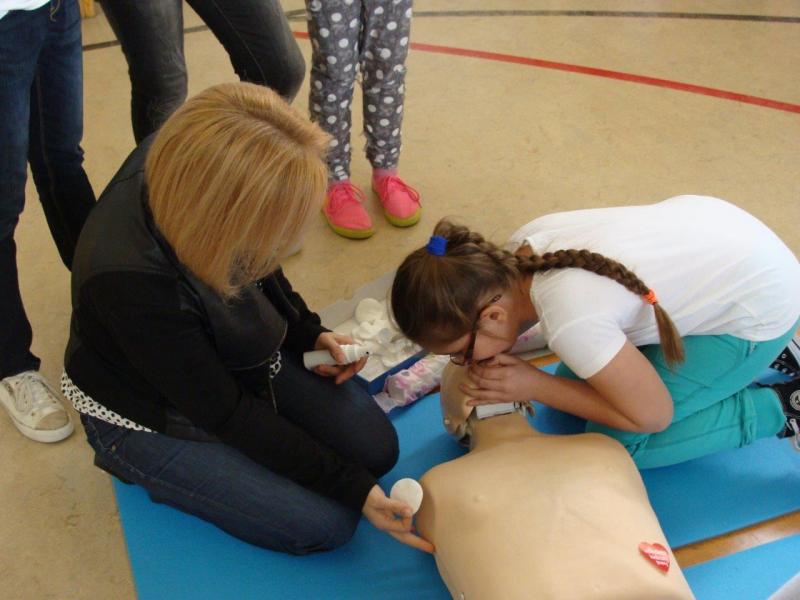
column 618, row 75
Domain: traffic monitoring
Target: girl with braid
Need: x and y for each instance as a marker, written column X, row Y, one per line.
column 662, row 316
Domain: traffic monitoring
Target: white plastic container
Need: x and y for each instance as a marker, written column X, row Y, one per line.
column 352, row 352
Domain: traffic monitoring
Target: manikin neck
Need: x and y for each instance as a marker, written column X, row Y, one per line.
column 488, row 433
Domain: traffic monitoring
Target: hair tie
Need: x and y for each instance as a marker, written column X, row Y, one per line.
column 650, row 297
column 437, row 245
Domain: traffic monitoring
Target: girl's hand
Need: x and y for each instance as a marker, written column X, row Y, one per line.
column 505, row 378
column 330, row 341
column 393, row 517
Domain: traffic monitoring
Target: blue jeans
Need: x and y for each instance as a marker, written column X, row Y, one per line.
column 255, row 33
column 214, row 481
column 41, row 122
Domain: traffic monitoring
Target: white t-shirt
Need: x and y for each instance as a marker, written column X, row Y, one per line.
column 715, row 269
column 7, row 5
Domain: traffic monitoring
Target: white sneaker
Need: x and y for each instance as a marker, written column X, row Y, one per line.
column 34, row 407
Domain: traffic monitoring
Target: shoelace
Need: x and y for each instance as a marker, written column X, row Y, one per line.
column 340, row 194
column 32, row 394
column 793, row 425
column 385, row 183
column 783, row 364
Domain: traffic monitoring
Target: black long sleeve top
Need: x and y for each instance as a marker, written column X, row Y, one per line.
column 147, row 338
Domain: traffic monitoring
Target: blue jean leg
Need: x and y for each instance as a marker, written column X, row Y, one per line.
column 259, row 41
column 344, row 417
column 19, row 49
column 222, row 486
column 255, row 34
column 715, row 409
column 56, row 129
column 41, row 108
column 151, row 36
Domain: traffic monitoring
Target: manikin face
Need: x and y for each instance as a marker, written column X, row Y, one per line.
column 455, row 410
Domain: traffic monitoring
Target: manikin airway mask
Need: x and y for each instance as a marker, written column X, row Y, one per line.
column 485, row 411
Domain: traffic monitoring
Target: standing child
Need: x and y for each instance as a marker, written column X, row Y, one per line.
column 600, row 282
column 371, row 35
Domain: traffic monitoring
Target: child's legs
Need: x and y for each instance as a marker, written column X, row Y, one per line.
column 334, row 27
column 735, row 421
column 714, row 408
column 385, row 47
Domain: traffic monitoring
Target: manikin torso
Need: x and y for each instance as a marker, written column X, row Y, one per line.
column 526, row 515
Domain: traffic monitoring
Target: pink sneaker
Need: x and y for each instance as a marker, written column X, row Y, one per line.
column 345, row 212
column 400, row 201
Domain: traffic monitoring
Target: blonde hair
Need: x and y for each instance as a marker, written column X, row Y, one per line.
column 436, row 298
column 233, row 176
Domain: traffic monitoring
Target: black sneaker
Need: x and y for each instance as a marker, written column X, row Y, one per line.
column 789, row 394
column 789, row 360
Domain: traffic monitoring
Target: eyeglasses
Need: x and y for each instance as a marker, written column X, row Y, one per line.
column 465, row 359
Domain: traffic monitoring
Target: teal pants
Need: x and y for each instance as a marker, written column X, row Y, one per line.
column 715, row 406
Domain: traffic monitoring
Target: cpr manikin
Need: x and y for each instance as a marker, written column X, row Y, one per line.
column 527, row 515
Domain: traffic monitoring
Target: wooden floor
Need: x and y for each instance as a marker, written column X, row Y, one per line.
column 741, row 539
column 513, row 109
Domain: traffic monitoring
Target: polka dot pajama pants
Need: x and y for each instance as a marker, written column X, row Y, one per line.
column 371, row 36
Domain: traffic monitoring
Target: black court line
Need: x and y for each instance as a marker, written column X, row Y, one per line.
column 300, row 15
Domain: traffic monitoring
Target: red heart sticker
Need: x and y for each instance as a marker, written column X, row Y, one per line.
column 656, row 554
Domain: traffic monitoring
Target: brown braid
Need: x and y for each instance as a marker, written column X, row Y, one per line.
column 671, row 342
column 583, row 259
column 434, row 297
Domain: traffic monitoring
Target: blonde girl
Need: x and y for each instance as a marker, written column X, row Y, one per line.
column 184, row 352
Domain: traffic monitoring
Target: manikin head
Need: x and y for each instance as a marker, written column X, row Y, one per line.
column 455, row 411
column 459, row 418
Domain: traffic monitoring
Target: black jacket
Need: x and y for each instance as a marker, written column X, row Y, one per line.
column 148, row 339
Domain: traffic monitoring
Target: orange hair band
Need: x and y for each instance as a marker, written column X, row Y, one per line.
column 650, row 297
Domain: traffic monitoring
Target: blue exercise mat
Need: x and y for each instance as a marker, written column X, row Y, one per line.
column 753, row 574
column 177, row 556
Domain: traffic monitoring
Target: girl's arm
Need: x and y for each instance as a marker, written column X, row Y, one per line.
column 626, row 394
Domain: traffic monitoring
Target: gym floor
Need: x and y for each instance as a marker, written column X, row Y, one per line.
column 513, row 109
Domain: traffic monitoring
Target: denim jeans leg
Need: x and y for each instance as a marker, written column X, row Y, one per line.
column 257, row 37
column 56, row 129
column 15, row 329
column 22, row 35
column 151, row 36
column 344, row 417
column 222, row 486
